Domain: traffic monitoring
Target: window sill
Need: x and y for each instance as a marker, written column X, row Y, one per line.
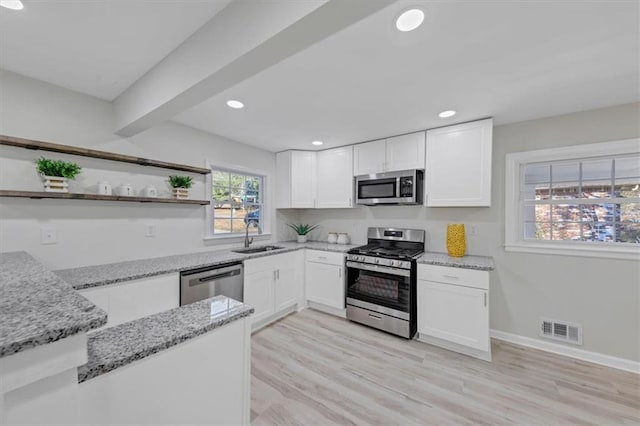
column 623, row 253
column 239, row 237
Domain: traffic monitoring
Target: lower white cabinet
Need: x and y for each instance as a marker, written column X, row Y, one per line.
column 453, row 309
column 325, row 278
column 135, row 299
column 273, row 284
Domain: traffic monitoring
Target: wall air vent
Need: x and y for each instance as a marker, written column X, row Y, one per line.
column 562, row 331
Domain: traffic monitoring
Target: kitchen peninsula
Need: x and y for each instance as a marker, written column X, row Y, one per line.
column 55, row 369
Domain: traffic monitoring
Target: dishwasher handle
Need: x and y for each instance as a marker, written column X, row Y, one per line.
column 214, row 277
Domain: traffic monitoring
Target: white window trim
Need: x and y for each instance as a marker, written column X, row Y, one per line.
column 266, row 203
column 513, row 208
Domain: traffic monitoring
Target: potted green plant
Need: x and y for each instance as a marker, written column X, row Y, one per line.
column 302, row 230
column 180, row 185
column 56, row 173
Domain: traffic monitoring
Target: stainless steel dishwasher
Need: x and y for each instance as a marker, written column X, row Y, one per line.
column 199, row 284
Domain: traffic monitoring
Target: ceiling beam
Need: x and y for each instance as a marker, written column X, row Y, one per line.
column 244, row 39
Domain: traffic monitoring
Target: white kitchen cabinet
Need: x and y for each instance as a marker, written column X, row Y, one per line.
column 335, row 178
column 403, row 152
column 458, row 160
column 453, row 309
column 135, row 299
column 369, row 157
column 295, row 179
column 273, row 285
column 259, row 292
column 325, row 278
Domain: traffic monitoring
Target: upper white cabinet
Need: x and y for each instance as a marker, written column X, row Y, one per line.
column 295, row 179
column 335, row 178
column 369, row 157
column 403, row 152
column 458, row 172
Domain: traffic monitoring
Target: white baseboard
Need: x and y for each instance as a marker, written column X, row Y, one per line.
column 581, row 354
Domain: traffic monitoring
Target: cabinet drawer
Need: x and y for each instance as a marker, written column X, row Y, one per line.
column 457, row 276
column 327, row 257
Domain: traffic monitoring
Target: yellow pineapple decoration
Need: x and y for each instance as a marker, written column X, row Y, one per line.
column 456, row 244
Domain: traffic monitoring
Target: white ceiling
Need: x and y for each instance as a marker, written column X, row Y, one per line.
column 97, row 47
column 514, row 61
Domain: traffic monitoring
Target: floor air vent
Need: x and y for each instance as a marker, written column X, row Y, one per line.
column 563, row 331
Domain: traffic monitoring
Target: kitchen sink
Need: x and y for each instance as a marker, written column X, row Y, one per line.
column 256, row 249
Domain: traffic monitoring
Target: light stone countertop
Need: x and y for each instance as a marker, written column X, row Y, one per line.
column 123, row 344
column 110, row 273
column 37, row 307
column 481, row 263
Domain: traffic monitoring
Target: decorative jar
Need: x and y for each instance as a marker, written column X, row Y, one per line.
column 332, row 238
column 343, row 238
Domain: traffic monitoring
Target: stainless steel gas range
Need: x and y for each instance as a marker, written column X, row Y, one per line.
column 381, row 280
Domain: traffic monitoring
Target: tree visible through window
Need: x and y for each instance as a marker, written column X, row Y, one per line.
column 590, row 200
column 237, row 202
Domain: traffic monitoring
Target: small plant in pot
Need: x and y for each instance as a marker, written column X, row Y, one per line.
column 302, row 230
column 56, row 173
column 180, row 185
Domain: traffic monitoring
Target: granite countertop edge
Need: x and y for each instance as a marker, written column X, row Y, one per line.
column 111, row 338
column 37, row 307
column 79, row 279
column 479, row 263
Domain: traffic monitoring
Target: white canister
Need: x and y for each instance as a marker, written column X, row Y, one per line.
column 150, row 191
column 343, row 238
column 124, row 190
column 104, row 188
column 332, row 238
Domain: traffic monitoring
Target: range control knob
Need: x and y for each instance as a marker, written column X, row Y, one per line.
column 377, row 260
column 392, row 263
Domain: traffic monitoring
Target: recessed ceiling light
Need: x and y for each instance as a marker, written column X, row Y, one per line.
column 12, row 4
column 410, row 20
column 446, row 114
column 317, row 143
column 235, row 104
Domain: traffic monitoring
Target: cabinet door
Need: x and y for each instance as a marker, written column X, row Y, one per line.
column 335, row 178
column 325, row 284
column 369, row 157
column 303, row 179
column 286, row 288
column 259, row 293
column 458, row 172
column 406, row 152
column 454, row 313
column 283, row 180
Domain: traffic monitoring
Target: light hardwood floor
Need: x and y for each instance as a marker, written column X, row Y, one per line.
column 314, row 368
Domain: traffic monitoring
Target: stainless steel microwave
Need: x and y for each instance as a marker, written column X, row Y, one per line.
column 403, row 187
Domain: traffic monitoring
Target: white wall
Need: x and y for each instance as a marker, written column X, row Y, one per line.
column 601, row 294
column 93, row 232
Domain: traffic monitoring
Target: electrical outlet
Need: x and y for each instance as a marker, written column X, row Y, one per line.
column 150, row 231
column 48, row 235
column 473, row 230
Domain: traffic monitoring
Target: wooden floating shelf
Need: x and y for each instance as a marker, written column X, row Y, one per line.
column 98, row 197
column 84, row 152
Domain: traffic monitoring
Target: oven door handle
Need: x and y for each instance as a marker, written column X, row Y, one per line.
column 377, row 268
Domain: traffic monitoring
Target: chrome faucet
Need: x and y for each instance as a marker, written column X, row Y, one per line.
column 247, row 240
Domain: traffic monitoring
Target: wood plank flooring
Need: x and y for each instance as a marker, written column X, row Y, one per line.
column 313, row 368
